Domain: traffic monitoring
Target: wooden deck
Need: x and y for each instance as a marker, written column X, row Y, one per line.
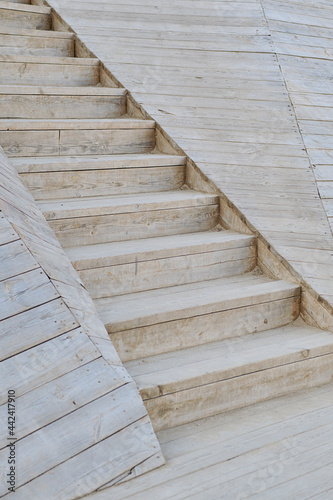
column 280, row 449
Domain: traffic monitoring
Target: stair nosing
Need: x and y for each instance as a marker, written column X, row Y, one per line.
column 236, row 364
column 133, row 251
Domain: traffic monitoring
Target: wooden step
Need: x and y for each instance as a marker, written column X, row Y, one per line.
column 103, row 162
column 198, row 382
column 36, row 43
column 27, row 2
column 133, row 266
column 104, row 178
column 55, row 71
column 87, row 221
column 156, row 321
column 73, row 103
column 14, row 15
column 76, row 137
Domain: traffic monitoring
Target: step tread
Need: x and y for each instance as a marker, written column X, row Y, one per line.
column 103, row 205
column 35, row 33
column 34, row 9
column 225, row 359
column 71, row 91
column 205, row 297
column 88, row 256
column 69, row 61
column 75, row 124
column 56, row 163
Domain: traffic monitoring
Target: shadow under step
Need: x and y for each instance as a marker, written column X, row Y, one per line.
column 51, row 71
column 77, row 137
column 87, row 221
column 156, row 321
column 67, row 103
column 133, row 266
column 183, row 386
column 17, row 15
column 15, row 41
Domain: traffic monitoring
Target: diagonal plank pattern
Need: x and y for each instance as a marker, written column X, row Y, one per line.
column 198, row 325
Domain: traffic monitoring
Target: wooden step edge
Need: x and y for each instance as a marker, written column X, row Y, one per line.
column 226, row 298
column 61, row 91
column 66, row 61
column 142, row 202
column 283, row 354
column 33, row 9
column 128, row 252
column 25, row 164
column 18, row 124
column 26, row 32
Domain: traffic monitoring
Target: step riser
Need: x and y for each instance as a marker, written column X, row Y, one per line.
column 161, row 273
column 30, row 73
column 205, row 401
column 122, row 227
column 26, row 20
column 77, row 142
column 62, row 107
column 44, row 186
column 198, row 330
column 36, row 46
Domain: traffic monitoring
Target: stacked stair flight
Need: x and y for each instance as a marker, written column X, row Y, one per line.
column 197, row 324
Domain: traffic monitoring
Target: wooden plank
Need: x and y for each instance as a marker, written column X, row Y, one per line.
column 63, row 91
column 25, row 165
column 7, row 233
column 34, row 73
column 24, row 292
column 29, row 17
column 193, row 299
column 61, row 107
column 34, row 46
column 76, row 432
column 33, row 143
column 58, row 185
column 103, row 229
column 15, row 259
column 107, row 205
column 35, row 326
column 42, row 364
column 76, row 124
column 62, row 396
column 91, row 469
column 142, row 275
column 106, row 142
column 216, row 397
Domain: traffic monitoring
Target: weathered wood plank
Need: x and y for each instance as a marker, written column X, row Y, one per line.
column 90, row 470
column 15, row 259
column 76, row 432
column 25, row 291
column 35, row 326
column 62, row 396
column 38, row 366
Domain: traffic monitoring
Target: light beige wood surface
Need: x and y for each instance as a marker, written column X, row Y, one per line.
column 256, row 452
column 201, row 329
column 229, row 107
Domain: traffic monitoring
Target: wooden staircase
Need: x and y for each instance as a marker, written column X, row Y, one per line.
column 199, row 327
